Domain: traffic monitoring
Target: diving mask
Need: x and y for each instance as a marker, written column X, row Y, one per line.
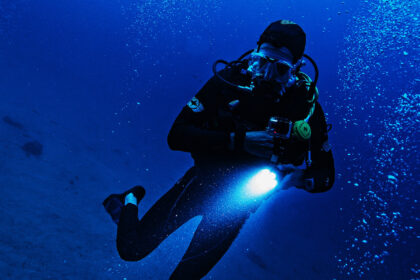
column 272, row 64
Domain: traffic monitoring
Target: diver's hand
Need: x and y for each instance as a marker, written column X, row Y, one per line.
column 295, row 177
column 259, row 143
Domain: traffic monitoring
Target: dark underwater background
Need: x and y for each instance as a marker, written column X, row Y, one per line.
column 89, row 90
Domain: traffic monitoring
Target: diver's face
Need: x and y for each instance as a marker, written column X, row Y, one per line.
column 272, row 65
column 270, row 69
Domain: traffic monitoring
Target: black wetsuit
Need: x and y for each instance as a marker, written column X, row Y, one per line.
column 207, row 189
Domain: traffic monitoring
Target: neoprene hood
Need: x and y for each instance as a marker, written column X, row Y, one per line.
column 285, row 33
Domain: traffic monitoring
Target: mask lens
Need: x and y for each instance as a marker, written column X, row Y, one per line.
column 262, row 62
column 282, row 68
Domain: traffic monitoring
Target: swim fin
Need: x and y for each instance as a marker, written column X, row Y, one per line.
column 114, row 203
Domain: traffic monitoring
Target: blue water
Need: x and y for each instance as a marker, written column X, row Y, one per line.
column 99, row 84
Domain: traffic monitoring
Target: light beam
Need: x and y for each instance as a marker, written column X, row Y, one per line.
column 261, row 183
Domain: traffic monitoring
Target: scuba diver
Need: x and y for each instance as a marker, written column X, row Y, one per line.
column 259, row 112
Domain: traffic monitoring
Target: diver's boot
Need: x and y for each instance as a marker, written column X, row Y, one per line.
column 115, row 202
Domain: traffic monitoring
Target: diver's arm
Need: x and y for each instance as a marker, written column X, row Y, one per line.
column 321, row 171
column 186, row 136
column 189, row 132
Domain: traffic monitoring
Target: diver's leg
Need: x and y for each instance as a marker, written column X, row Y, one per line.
column 136, row 239
column 114, row 203
column 210, row 242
